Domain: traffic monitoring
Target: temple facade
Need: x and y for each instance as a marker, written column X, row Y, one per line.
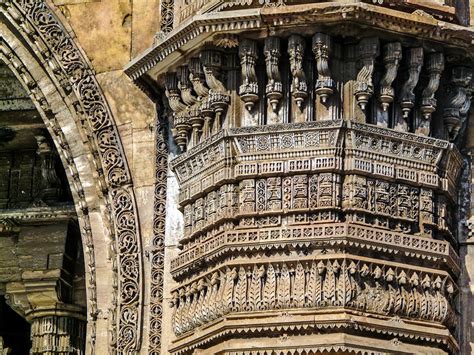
column 236, row 177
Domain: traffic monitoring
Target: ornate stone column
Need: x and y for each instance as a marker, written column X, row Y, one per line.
column 57, row 328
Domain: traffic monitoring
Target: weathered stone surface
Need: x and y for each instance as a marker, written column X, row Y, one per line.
column 103, row 29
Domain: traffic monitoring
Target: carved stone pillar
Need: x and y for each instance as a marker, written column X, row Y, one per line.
column 57, row 331
column 57, row 328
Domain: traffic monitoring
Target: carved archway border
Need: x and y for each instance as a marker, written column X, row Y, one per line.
column 73, row 77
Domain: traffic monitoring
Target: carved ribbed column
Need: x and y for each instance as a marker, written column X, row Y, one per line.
column 57, row 333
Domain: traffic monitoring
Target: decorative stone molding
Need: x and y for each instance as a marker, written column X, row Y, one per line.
column 55, row 49
column 157, row 252
column 306, row 283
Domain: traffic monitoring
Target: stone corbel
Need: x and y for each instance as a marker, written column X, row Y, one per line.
column 248, row 91
column 218, row 97
column 392, row 54
column 197, row 77
column 458, row 100
column 274, row 88
column 185, row 86
column 299, row 87
column 181, row 126
column 435, row 67
column 322, row 47
column 198, row 81
column 414, row 65
column 368, row 49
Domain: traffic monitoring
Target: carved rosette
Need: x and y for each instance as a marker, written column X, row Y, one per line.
column 367, row 51
column 322, row 47
column 407, row 95
column 248, row 91
column 458, row 100
column 274, row 88
column 392, row 54
column 299, row 87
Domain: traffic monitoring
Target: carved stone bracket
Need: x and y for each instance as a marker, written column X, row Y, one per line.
column 181, row 126
column 322, row 47
column 185, row 85
column 392, row 54
column 248, row 91
column 367, row 51
column 407, row 95
column 299, row 87
column 434, row 67
column 197, row 77
column 274, row 88
column 218, row 98
column 458, row 98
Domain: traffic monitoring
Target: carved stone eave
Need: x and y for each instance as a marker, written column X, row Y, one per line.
column 189, row 35
column 42, row 215
column 335, row 320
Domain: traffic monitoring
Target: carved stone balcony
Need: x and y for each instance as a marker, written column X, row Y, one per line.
column 296, row 218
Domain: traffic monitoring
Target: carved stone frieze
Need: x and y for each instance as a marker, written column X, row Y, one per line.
column 384, row 289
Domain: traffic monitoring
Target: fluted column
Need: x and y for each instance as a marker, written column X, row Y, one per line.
column 57, row 328
column 58, row 331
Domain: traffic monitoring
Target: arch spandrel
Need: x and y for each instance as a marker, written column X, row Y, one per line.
column 61, row 83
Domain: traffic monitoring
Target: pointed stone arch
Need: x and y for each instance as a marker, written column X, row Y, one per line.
column 45, row 58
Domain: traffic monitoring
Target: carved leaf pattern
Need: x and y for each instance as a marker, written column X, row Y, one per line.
column 268, row 299
column 298, row 294
column 240, row 295
column 329, row 285
column 344, row 289
column 283, row 288
column 255, row 289
column 316, row 284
